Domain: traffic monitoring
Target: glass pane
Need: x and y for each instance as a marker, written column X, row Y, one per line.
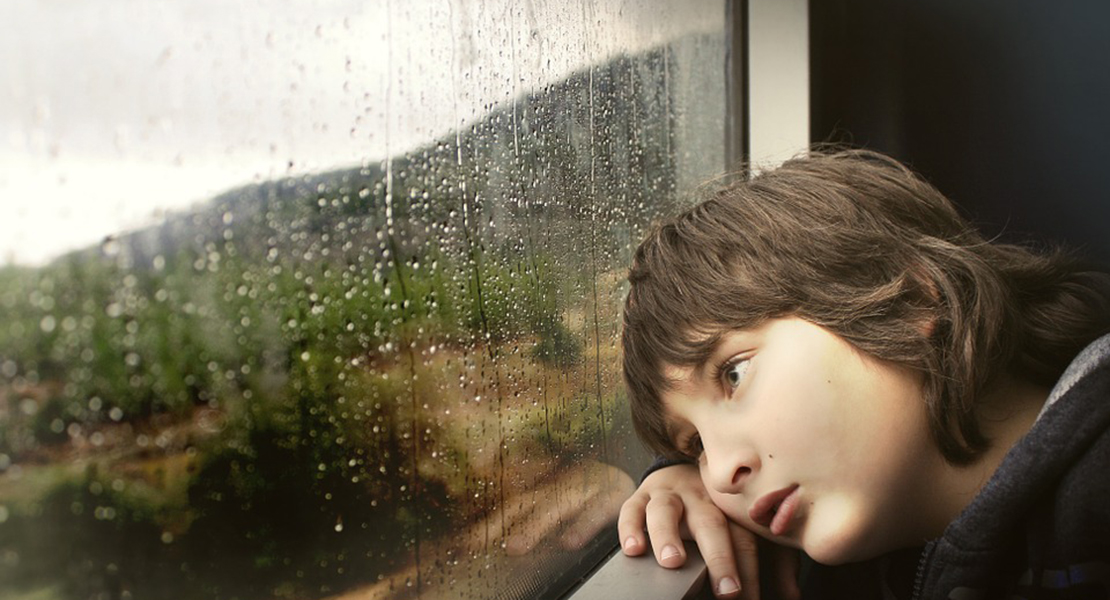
column 323, row 301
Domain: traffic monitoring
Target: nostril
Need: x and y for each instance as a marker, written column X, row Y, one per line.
column 741, row 474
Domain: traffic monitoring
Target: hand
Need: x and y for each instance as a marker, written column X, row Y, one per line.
column 674, row 505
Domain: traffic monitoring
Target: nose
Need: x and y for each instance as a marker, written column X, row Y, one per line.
column 728, row 466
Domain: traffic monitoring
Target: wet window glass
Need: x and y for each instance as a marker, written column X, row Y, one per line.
column 321, row 300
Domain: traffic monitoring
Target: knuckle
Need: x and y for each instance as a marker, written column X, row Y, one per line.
column 718, row 560
column 745, row 545
column 634, row 504
column 638, row 496
column 698, row 492
column 702, row 495
column 668, row 502
column 707, row 520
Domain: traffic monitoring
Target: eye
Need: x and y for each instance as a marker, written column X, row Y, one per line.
column 734, row 371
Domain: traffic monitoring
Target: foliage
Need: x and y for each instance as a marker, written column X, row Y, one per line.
column 98, row 531
column 284, row 307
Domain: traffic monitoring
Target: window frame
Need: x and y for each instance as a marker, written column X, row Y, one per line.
column 767, row 82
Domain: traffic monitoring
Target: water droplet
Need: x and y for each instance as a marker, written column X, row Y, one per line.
column 29, row 406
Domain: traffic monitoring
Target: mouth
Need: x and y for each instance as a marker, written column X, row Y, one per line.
column 776, row 509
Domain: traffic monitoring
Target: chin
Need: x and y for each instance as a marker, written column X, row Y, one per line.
column 829, row 554
column 837, row 545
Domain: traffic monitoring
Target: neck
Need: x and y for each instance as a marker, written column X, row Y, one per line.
column 1005, row 415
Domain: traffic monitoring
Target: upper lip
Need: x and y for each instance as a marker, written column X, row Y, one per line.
column 763, row 509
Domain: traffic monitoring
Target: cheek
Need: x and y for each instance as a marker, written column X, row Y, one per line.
column 850, row 418
column 837, row 530
column 809, row 420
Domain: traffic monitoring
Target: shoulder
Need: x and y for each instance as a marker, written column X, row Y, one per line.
column 1074, row 432
column 1073, row 429
column 1056, row 473
column 1077, row 411
column 1087, row 365
column 1040, row 524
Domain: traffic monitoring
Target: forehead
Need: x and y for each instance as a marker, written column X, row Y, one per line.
column 681, row 384
column 685, row 380
column 677, row 383
column 678, row 379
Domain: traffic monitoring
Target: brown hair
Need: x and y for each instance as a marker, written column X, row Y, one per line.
column 855, row 242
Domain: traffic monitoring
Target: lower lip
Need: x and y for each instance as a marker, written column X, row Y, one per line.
column 785, row 513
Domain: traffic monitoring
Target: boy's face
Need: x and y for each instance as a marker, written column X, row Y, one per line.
column 807, row 441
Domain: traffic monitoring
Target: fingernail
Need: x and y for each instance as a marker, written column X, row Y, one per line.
column 669, row 552
column 630, row 543
column 727, row 585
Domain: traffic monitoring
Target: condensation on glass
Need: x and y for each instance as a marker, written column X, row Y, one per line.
column 323, row 301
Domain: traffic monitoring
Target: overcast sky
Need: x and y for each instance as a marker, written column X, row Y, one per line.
column 113, row 112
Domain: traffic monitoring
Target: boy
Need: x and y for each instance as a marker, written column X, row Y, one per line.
column 828, row 356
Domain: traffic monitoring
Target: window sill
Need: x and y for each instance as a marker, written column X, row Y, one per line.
column 622, row 577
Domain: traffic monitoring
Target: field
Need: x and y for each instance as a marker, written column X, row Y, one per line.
column 227, row 425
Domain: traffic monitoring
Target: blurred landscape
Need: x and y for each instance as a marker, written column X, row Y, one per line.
column 381, row 381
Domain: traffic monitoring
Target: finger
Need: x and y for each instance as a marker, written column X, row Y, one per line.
column 631, row 523
column 710, row 530
column 746, row 546
column 664, row 512
column 788, row 562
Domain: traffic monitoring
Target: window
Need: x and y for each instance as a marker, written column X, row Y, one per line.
column 308, row 302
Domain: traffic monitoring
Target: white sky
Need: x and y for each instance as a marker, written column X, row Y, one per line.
column 113, row 112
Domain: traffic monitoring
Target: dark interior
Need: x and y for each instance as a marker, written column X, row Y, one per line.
column 1001, row 104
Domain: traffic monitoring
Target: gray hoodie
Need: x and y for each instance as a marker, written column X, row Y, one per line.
column 1040, row 528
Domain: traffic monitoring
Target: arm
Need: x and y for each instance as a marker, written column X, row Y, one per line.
column 672, row 504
